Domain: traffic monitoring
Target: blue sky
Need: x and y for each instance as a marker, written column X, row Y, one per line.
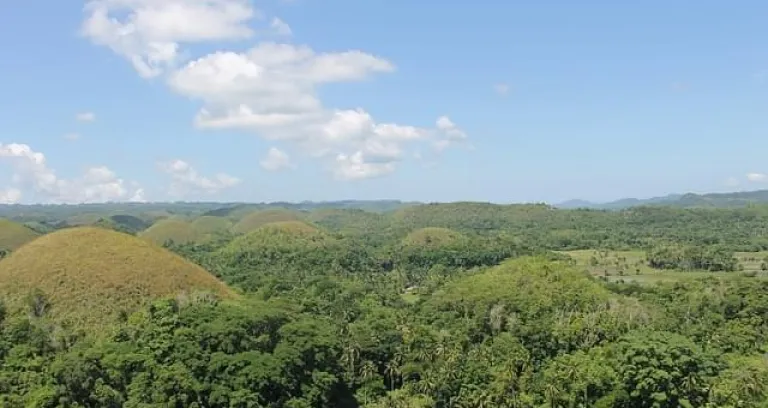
column 436, row 101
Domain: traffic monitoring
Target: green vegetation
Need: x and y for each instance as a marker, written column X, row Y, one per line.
column 463, row 305
column 14, row 235
column 256, row 219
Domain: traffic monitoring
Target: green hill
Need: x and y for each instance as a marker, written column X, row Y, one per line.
column 254, row 220
column 13, row 235
column 432, row 237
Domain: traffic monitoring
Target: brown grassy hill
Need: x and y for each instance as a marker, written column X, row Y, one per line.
column 14, row 235
column 92, row 275
column 432, row 237
column 176, row 230
column 253, row 221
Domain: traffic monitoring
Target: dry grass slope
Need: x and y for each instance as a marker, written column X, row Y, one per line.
column 178, row 231
column 91, row 275
column 13, row 235
column 208, row 224
column 253, row 221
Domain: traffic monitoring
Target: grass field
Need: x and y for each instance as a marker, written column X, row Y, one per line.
column 631, row 266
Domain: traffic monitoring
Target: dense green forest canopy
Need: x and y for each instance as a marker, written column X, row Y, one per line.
column 396, row 305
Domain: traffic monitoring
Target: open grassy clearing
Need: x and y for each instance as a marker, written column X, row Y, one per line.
column 752, row 261
column 632, row 266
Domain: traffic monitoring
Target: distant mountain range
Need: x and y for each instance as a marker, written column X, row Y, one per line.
column 689, row 200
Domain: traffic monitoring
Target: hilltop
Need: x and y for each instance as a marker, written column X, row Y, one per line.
column 92, row 275
column 257, row 219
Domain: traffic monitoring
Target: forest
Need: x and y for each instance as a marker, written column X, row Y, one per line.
column 400, row 305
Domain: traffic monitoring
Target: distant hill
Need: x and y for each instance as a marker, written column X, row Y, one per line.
column 689, row 200
column 54, row 215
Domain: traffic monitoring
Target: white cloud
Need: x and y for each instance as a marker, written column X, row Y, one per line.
column 732, row 182
column 280, row 27
column 757, row 177
column 276, row 160
column 31, row 172
column 450, row 134
column 271, row 89
column 501, row 89
column 355, row 167
column 85, row 117
column 186, row 181
column 72, row 137
column 150, row 33
column 10, row 196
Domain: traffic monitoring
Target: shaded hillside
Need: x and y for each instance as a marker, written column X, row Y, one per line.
column 123, row 223
column 14, row 235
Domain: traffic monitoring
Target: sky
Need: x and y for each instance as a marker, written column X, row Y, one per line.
column 292, row 100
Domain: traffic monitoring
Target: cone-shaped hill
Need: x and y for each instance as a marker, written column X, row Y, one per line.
column 253, row 221
column 432, row 237
column 558, row 297
column 14, row 235
column 176, row 230
column 283, row 249
column 91, row 275
column 283, row 234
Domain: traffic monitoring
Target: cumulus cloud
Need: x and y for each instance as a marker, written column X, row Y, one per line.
column 72, row 137
column 150, row 33
column 757, row 177
column 276, row 160
column 85, row 117
column 186, row 181
column 10, row 196
column 270, row 89
column 30, row 171
column 280, row 27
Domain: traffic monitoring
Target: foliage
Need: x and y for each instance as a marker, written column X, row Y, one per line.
column 256, row 219
column 443, row 305
column 713, row 258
